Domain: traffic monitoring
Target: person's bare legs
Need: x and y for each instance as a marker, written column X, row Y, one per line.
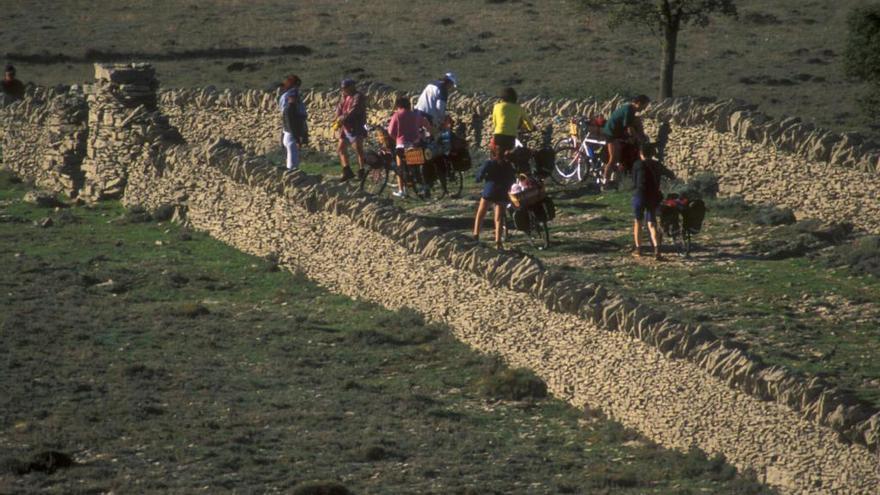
column 342, row 149
column 499, row 219
column 478, row 220
column 656, row 238
column 359, row 151
column 400, row 184
column 637, row 229
column 614, row 152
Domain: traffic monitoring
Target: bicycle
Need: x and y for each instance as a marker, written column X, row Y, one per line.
column 530, row 211
column 528, row 161
column 451, row 163
column 579, row 161
column 378, row 162
column 682, row 218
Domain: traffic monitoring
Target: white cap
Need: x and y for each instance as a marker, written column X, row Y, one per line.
column 451, row 77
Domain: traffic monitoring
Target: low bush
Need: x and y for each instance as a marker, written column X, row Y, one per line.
column 861, row 256
column 771, row 215
column 502, row 383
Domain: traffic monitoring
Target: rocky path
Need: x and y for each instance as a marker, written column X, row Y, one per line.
column 670, row 401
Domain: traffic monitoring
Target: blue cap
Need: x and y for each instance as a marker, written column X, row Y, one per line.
column 347, row 82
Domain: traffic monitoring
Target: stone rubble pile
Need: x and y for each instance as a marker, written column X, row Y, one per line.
column 123, row 118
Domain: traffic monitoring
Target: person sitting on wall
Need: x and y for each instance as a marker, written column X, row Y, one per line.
column 351, row 119
column 432, row 102
column 623, row 126
column 294, row 119
column 646, row 174
column 499, row 176
column 13, row 89
column 405, row 128
column 508, row 118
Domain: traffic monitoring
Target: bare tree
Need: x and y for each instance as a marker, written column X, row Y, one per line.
column 665, row 18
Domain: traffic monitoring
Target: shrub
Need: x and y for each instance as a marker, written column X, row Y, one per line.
column 771, row 215
column 703, row 185
column 861, row 257
column 504, row 383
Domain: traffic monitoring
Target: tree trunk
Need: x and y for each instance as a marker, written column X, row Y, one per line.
column 667, row 67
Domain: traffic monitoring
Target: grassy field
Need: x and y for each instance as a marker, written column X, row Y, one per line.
column 161, row 360
column 783, row 55
column 777, row 290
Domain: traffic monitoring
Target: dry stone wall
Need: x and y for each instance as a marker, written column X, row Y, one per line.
column 123, row 118
column 43, row 138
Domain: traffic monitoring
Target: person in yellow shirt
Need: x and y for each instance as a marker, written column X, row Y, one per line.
column 508, row 118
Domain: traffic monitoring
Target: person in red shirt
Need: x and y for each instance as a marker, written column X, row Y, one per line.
column 351, row 117
column 13, row 89
column 405, row 129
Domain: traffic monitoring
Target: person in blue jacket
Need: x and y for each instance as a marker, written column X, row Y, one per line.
column 498, row 175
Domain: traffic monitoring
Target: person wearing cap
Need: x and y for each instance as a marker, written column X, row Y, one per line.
column 432, row 101
column 351, row 117
column 13, row 89
column 622, row 125
column 294, row 119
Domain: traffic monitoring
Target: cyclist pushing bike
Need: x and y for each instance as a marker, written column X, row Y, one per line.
column 406, row 129
column 432, row 101
column 623, row 129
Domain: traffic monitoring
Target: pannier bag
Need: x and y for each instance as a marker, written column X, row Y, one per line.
column 461, row 160
column 520, row 159
column 373, row 160
column 521, row 220
column 458, row 143
column 414, row 156
column 545, row 159
column 527, row 198
column 549, row 208
column 693, row 215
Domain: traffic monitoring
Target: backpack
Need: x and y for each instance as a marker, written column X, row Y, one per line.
column 693, row 215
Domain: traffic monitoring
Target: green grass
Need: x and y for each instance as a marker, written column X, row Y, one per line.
column 785, row 56
column 202, row 368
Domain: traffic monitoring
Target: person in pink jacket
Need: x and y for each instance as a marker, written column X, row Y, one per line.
column 405, row 129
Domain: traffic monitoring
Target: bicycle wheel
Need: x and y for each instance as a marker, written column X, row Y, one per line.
column 442, row 168
column 539, row 230
column 567, row 168
column 374, row 181
column 422, row 180
column 454, row 183
column 564, row 143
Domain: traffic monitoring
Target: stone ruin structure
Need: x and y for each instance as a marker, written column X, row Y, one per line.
column 199, row 151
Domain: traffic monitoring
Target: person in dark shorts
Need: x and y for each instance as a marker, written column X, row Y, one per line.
column 13, row 89
column 622, row 125
column 647, row 173
column 351, row 117
column 499, row 176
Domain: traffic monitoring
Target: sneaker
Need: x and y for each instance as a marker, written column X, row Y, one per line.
column 361, row 174
column 637, row 252
column 346, row 174
column 399, row 194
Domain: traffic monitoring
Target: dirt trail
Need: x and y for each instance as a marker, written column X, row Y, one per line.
column 671, row 401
